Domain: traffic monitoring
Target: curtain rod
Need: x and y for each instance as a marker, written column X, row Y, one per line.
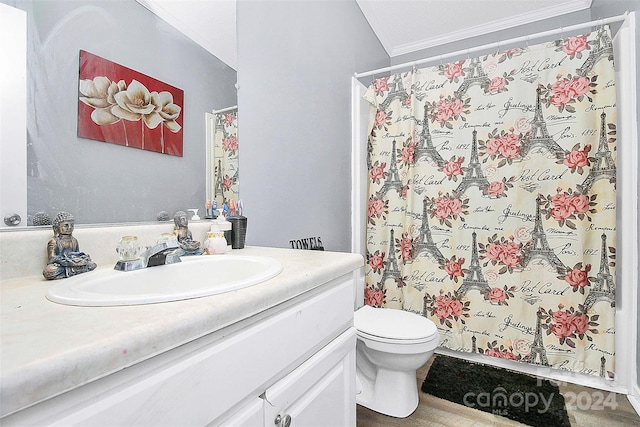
column 497, row 44
column 223, row 110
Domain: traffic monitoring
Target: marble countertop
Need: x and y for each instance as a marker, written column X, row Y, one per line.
column 48, row 348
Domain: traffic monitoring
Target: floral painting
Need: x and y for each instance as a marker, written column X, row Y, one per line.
column 121, row 106
column 492, row 202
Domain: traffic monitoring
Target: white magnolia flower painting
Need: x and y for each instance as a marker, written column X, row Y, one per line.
column 122, row 106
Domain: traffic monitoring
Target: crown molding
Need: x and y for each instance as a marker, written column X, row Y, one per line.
column 540, row 14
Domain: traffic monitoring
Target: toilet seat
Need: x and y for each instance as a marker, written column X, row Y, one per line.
column 388, row 325
column 366, row 336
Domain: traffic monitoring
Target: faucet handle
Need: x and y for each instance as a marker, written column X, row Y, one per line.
column 129, row 248
column 167, row 237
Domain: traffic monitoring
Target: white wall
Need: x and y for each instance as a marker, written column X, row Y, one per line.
column 13, row 113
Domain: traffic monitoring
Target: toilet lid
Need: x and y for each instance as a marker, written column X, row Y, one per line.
column 394, row 324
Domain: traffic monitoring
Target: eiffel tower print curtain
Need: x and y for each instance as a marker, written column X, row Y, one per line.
column 225, row 152
column 492, row 201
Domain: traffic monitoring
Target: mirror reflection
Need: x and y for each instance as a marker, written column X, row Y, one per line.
column 223, row 182
column 108, row 183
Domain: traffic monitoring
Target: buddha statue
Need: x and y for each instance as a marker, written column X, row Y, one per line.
column 188, row 246
column 64, row 256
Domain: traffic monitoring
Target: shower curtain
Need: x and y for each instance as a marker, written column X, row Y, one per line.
column 492, row 201
column 225, row 142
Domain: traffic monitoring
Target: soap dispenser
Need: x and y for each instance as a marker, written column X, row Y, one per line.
column 225, row 226
column 195, row 216
column 215, row 242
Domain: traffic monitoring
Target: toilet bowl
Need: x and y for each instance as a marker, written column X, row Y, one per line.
column 391, row 345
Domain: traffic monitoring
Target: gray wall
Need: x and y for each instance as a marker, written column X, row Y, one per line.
column 101, row 182
column 295, row 61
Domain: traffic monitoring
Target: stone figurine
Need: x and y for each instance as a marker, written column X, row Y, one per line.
column 64, row 256
column 187, row 245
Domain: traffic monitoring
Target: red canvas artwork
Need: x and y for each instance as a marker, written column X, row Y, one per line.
column 122, row 106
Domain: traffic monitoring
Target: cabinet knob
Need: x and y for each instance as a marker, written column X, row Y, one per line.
column 281, row 421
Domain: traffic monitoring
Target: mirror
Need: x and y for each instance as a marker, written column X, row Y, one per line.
column 102, row 182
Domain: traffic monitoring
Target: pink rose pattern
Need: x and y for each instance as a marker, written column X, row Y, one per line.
column 569, row 324
column 499, row 84
column 381, row 85
column 374, row 297
column 497, row 189
column 578, row 277
column 230, row 145
column 565, row 206
column 376, row 261
column 407, row 152
column 449, row 109
column 376, row 208
column 574, row 46
column 453, row 71
column 453, row 168
column 499, row 296
column 406, row 245
column 567, row 90
column 445, row 307
column 377, row 173
column 446, row 208
column 500, row 351
column 382, row 120
column 509, row 54
column 502, row 145
column 577, row 159
column 517, row 179
column 505, row 252
column 454, row 269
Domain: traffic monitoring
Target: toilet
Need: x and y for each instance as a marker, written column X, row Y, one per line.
column 391, row 346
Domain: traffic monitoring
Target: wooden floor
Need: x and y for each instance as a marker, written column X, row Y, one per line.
column 434, row 412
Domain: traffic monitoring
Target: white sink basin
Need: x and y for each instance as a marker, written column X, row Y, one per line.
column 194, row 277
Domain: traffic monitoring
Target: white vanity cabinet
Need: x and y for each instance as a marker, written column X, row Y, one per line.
column 293, row 364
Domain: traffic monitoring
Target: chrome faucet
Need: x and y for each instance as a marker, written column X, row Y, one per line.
column 159, row 254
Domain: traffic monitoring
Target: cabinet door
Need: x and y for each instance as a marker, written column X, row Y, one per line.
column 320, row 392
column 251, row 415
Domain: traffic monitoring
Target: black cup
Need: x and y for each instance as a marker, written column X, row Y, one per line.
column 238, row 231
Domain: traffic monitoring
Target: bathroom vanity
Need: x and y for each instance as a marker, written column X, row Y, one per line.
column 277, row 353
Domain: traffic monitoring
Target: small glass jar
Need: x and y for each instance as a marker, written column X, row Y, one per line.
column 129, row 248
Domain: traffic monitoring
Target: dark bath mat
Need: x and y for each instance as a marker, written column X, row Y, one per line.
column 520, row 397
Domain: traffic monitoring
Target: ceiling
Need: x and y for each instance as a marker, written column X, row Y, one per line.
column 210, row 23
column 402, row 26
column 405, row 26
